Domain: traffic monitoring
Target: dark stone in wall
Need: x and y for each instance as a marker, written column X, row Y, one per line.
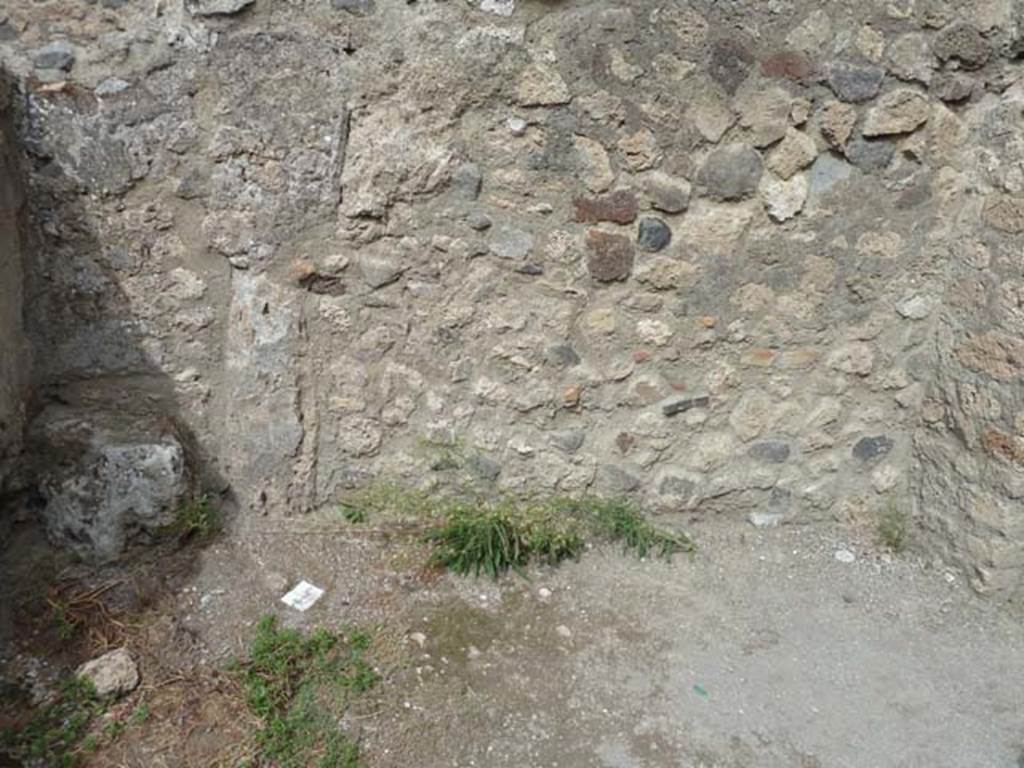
column 868, row 448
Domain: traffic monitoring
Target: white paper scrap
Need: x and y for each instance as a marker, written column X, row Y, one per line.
column 303, row 596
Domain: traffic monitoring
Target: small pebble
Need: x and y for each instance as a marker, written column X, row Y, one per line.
column 845, row 556
column 517, row 126
column 563, row 630
column 544, row 593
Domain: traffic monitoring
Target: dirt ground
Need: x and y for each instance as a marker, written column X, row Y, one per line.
column 763, row 649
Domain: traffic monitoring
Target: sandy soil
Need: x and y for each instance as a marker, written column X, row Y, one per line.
column 763, row 649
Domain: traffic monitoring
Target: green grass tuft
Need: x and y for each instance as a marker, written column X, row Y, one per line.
column 300, row 686
column 382, row 499
column 492, row 537
column 57, row 735
column 197, row 518
column 894, row 529
column 620, row 520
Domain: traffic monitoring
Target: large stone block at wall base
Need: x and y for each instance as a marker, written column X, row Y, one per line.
column 104, row 487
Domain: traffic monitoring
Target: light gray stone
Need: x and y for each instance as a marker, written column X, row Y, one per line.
column 379, row 270
column 900, row 111
column 731, row 172
column 783, row 199
column 55, row 55
column 217, row 7
column 499, row 7
column 666, row 193
column 828, row 171
column 511, row 243
column 112, row 674
column 114, row 490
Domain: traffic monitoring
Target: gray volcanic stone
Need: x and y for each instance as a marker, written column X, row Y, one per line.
column 855, row 82
column 562, row 355
column 511, row 243
column 682, row 404
column 964, row 43
column 952, row 86
column 483, row 467
column 217, row 7
column 616, row 480
column 478, row 221
column 677, row 487
column 868, row 448
column 568, row 440
column 730, row 64
column 771, row 451
column 467, row 181
column 732, row 172
column 870, row 155
column 653, row 234
column 355, row 7
column 55, row 55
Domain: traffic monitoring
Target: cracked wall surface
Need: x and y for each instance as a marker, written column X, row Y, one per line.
column 727, row 257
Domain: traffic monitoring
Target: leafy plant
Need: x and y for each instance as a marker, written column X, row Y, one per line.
column 299, row 687
column 57, row 735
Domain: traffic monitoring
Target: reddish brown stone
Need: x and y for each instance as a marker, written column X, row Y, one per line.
column 624, row 441
column 620, row 207
column 641, row 356
column 571, row 396
column 610, row 257
column 996, row 354
column 1003, row 446
column 787, row 64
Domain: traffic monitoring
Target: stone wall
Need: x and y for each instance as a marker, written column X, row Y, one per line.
column 728, row 257
column 13, row 358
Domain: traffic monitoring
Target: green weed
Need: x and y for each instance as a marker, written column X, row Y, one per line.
column 492, row 537
column 57, row 735
column 619, row 520
column 63, row 618
column 299, row 686
column 382, row 499
column 894, row 529
column 140, row 715
column 199, row 518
